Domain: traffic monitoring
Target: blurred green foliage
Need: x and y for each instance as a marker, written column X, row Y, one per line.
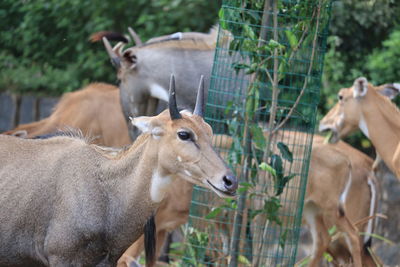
column 44, row 47
column 359, row 45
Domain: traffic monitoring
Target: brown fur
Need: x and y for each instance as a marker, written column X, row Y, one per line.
column 77, row 206
column 364, row 103
column 95, row 110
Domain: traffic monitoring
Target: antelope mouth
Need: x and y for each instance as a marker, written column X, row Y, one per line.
column 221, row 192
column 332, row 136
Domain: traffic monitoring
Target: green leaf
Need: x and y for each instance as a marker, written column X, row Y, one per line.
column 244, row 187
column 292, row 38
column 228, row 108
column 214, row 213
column 268, row 168
column 238, row 66
column 281, row 183
column 241, row 190
column 243, row 260
column 332, row 230
column 254, row 213
column 285, row 152
column 258, row 136
column 390, row 242
column 222, row 22
column 282, row 239
column 274, row 44
column 276, row 163
column 328, row 257
column 328, row 137
column 248, row 31
column 246, row 184
column 271, row 209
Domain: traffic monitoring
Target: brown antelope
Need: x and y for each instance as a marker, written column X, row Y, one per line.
column 67, row 202
column 368, row 108
column 361, row 201
column 95, row 110
column 326, row 188
column 338, row 194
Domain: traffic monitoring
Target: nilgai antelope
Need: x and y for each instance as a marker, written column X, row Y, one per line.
column 65, row 202
column 95, row 110
column 369, row 109
column 143, row 71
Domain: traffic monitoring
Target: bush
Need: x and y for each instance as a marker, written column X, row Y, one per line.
column 383, row 63
column 44, row 43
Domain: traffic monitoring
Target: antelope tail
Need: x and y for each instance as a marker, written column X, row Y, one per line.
column 150, row 242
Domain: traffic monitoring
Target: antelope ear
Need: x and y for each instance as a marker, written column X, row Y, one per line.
column 390, row 90
column 129, row 59
column 148, row 125
column 360, row 87
column 20, row 134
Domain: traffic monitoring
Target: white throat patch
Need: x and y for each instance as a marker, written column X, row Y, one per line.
column 363, row 126
column 159, row 186
column 158, row 92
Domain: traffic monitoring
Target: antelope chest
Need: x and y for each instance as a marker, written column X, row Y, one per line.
column 159, row 186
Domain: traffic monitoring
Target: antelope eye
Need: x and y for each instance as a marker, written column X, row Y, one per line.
column 340, row 97
column 184, row 135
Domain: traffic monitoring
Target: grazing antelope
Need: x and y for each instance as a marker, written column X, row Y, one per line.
column 369, row 109
column 95, row 111
column 66, row 202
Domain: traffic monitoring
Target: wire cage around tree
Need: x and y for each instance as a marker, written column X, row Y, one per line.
column 262, row 104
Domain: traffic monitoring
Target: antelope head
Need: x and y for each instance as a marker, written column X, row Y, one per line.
column 120, row 58
column 184, row 143
column 347, row 116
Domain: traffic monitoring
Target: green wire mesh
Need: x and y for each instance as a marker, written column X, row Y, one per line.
column 266, row 137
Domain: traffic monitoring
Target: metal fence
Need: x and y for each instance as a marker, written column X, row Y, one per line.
column 262, row 103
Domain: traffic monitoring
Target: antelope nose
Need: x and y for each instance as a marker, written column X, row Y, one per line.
column 230, row 182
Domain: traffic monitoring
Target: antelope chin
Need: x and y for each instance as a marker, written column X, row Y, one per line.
column 332, row 136
column 219, row 192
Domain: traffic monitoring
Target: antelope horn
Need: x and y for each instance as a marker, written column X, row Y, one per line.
column 199, row 108
column 115, row 60
column 173, row 109
column 135, row 36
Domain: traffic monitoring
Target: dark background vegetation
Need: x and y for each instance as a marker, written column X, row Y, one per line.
column 44, row 47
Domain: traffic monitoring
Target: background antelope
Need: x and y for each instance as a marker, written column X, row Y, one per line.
column 74, row 204
column 337, row 193
column 369, row 109
column 143, row 71
column 95, row 111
